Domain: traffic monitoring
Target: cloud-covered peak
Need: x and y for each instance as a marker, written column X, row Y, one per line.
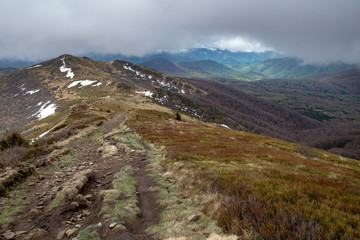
column 319, row 30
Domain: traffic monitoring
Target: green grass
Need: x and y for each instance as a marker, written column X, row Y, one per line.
column 131, row 140
column 177, row 209
column 265, row 185
column 57, row 200
column 10, row 206
column 88, row 233
column 120, row 202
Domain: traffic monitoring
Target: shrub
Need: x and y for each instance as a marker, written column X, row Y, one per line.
column 178, row 116
column 11, row 139
column 12, row 155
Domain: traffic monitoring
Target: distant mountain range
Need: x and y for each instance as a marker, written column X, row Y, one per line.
column 196, row 54
column 218, row 65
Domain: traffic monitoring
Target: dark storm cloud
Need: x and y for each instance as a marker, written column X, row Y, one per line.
column 322, row 30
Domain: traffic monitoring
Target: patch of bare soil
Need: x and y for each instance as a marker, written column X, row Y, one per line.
column 74, row 213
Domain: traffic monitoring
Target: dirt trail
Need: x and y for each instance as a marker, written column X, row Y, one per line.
column 66, row 216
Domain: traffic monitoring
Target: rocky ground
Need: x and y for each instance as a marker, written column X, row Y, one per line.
column 65, row 199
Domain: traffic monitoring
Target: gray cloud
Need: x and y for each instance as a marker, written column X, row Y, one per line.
column 319, row 30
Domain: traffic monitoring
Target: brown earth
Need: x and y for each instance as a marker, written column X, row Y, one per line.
column 45, row 186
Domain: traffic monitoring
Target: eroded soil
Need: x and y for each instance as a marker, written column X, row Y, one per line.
column 40, row 222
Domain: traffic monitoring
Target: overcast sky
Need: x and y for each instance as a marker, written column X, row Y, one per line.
column 316, row 30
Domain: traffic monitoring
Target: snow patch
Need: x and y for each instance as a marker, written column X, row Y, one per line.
column 41, row 135
column 45, row 110
column 191, row 111
column 128, row 68
column 34, row 66
column 147, row 93
column 142, row 75
column 84, row 83
column 63, row 68
column 226, row 126
column 31, row 92
column 170, row 87
column 162, row 100
column 22, row 87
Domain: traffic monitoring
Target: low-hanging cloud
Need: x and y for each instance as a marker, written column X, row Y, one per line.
column 319, row 30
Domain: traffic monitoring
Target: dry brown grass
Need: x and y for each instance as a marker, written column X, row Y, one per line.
column 266, row 186
column 13, row 155
column 72, row 187
column 11, row 177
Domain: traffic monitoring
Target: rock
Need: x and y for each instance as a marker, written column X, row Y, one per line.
column 193, row 218
column 8, row 235
column 40, row 203
column 88, row 196
column 35, row 211
column 86, row 213
column 5, row 226
column 60, row 235
column 130, row 209
column 71, row 232
column 100, row 224
column 112, row 225
column 41, row 177
column 74, row 205
column 120, row 227
column 18, row 233
column 31, row 184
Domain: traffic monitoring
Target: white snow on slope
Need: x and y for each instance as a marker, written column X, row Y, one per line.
column 63, row 68
column 41, row 135
column 45, row 110
column 22, row 87
column 84, row 83
column 31, row 92
column 147, row 93
column 142, row 75
column 34, row 66
column 226, row 126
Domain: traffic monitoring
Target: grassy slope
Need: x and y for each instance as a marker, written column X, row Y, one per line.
column 318, row 100
column 290, row 68
column 269, row 186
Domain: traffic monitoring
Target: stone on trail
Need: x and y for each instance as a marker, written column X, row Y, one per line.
column 60, row 235
column 193, row 218
column 8, row 235
column 71, row 232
